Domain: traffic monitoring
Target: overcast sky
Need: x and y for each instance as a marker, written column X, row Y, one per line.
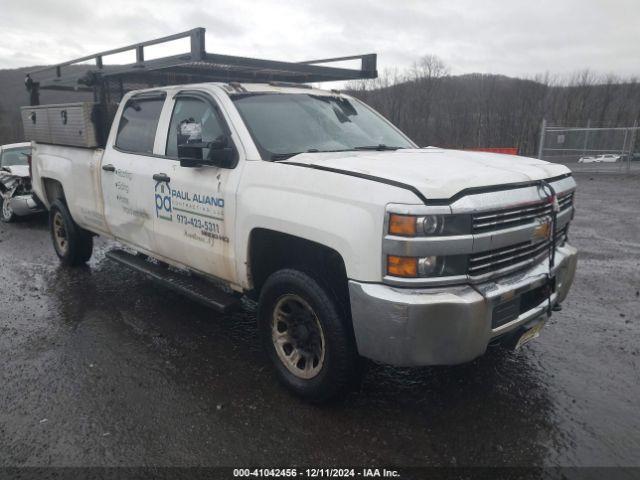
column 512, row 37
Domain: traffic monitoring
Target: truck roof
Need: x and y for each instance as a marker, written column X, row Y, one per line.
column 280, row 87
column 15, row 145
column 239, row 88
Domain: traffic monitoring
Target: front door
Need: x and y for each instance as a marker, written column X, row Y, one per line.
column 195, row 206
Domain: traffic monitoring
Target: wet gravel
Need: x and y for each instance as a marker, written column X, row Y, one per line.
column 100, row 367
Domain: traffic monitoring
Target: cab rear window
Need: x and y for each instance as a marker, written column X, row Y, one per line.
column 138, row 124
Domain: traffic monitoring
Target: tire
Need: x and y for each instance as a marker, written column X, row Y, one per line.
column 72, row 244
column 310, row 317
column 6, row 213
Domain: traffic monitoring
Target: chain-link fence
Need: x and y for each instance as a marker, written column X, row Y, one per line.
column 592, row 148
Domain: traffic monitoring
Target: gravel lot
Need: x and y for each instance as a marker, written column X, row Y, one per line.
column 102, row 368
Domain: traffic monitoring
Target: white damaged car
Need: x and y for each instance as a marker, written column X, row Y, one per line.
column 607, row 158
column 16, row 199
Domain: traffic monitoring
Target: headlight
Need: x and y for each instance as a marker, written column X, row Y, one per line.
column 431, row 266
column 429, row 225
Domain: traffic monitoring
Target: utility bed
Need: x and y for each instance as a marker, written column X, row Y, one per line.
column 72, row 124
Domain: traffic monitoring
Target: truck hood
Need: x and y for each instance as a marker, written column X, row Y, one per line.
column 437, row 173
column 17, row 170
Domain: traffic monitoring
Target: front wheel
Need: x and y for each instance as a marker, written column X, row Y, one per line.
column 6, row 214
column 72, row 244
column 306, row 338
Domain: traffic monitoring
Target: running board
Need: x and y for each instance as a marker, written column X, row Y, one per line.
column 196, row 288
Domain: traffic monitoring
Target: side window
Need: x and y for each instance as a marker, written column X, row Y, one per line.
column 14, row 157
column 137, row 128
column 193, row 110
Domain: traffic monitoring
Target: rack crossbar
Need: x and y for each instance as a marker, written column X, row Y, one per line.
column 196, row 65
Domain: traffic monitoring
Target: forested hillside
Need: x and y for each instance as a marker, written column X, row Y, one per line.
column 436, row 108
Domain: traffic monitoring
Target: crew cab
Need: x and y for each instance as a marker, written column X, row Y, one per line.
column 354, row 241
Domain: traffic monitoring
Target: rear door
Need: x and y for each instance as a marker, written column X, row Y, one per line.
column 127, row 171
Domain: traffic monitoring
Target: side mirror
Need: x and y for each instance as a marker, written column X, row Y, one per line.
column 193, row 152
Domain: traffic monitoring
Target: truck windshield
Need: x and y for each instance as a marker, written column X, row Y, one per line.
column 15, row 156
column 283, row 125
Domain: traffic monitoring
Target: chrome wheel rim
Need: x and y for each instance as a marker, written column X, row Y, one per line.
column 297, row 336
column 7, row 211
column 60, row 233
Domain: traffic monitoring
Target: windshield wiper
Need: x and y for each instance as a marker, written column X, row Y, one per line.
column 381, row 147
column 283, row 156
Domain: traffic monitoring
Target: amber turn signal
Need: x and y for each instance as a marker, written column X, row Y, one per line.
column 402, row 266
column 404, row 225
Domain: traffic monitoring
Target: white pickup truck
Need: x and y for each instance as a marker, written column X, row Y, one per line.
column 355, row 241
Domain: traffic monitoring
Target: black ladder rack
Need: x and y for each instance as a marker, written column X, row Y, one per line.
column 193, row 67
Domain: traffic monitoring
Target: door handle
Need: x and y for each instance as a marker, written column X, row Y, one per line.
column 162, row 177
column 109, row 168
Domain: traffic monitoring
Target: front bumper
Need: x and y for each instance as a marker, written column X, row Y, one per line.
column 448, row 325
column 23, row 205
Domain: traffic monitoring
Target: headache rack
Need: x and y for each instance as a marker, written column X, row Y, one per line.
column 87, row 123
column 195, row 66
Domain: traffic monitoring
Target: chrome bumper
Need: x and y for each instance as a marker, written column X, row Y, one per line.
column 23, row 205
column 448, row 325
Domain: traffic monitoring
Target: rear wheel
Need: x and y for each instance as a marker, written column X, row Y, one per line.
column 6, row 214
column 72, row 244
column 306, row 337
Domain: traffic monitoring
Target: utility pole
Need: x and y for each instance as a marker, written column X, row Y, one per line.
column 632, row 145
column 586, row 138
column 542, row 134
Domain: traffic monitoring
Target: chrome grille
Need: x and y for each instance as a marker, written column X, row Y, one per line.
column 565, row 201
column 513, row 257
column 515, row 216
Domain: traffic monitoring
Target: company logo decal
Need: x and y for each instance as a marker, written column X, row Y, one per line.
column 201, row 215
column 197, row 198
column 164, row 208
